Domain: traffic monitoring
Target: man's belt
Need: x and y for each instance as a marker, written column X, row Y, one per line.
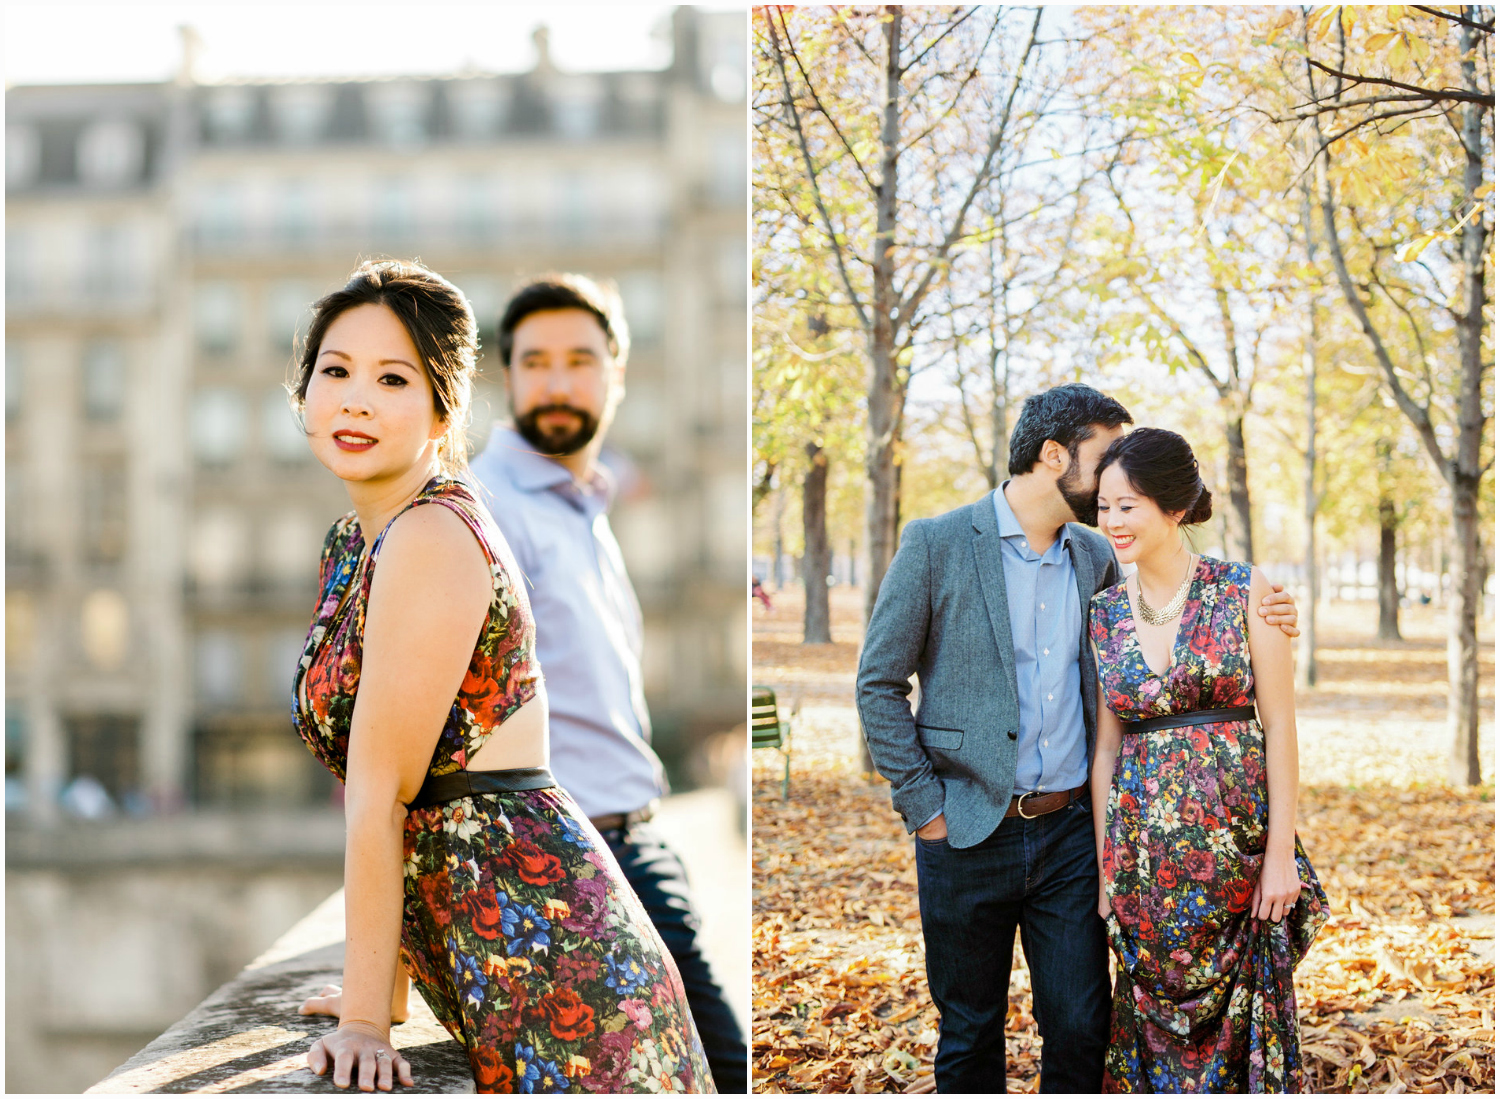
column 1034, row 804
column 439, row 789
column 1192, row 717
column 614, row 822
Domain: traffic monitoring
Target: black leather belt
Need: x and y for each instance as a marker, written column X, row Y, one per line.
column 615, row 822
column 439, row 789
column 1192, row 717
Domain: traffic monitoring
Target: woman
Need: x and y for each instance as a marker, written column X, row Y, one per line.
column 1207, row 894
column 509, row 911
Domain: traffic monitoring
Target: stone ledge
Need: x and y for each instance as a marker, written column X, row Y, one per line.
column 241, row 839
column 247, row 1037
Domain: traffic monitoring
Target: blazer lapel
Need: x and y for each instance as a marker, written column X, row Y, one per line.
column 990, row 562
column 1086, row 575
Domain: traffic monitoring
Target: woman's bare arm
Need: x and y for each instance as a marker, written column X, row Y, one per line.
column 1272, row 664
column 428, row 601
column 1107, row 737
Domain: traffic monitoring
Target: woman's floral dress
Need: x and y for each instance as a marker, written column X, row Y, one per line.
column 1203, row 996
column 518, row 926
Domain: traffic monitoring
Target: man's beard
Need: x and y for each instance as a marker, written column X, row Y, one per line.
column 1082, row 499
column 560, row 439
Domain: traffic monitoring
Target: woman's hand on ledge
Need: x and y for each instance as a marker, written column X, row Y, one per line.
column 358, row 1053
column 331, row 1002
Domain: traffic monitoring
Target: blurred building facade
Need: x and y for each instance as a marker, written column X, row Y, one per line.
column 163, row 514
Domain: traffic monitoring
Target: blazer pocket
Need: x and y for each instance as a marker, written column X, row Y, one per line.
column 933, row 736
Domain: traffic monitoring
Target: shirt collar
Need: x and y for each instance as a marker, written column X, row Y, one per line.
column 534, row 472
column 1010, row 526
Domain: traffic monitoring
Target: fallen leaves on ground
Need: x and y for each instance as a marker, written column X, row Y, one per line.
column 1397, row 993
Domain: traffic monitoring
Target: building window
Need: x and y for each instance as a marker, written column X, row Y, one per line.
column 289, row 549
column 280, row 431
column 639, row 197
column 15, row 381
column 104, row 511
column 728, row 170
column 103, row 752
column 394, row 216
column 479, row 108
column 23, row 155
column 577, row 106
column 219, row 214
column 730, row 270
column 104, row 381
column 105, row 629
column 288, row 311
column 642, row 294
column 219, row 659
column 216, row 553
column 109, row 264
column 295, row 223
column 300, row 112
column 575, row 212
column 216, row 316
column 230, row 113
column 15, row 754
column 283, row 652
column 399, row 113
column 476, row 206
column 218, row 426
column 111, row 153
column 22, row 277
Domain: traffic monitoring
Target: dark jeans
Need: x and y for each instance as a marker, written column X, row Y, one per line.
column 1039, row 874
column 659, row 879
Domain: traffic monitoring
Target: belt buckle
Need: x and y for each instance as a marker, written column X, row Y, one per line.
column 1021, row 804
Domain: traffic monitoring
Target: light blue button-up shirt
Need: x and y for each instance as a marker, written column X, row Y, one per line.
column 588, row 623
column 1046, row 623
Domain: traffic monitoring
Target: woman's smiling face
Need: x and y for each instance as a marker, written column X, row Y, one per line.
column 369, row 408
column 1133, row 523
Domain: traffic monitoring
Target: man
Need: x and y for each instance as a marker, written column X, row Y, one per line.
column 988, row 605
column 563, row 344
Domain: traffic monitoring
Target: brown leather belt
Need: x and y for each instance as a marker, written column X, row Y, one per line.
column 613, row 822
column 1033, row 804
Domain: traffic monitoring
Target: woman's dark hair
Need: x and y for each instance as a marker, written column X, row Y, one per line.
column 1160, row 465
column 567, row 291
column 1066, row 414
column 438, row 319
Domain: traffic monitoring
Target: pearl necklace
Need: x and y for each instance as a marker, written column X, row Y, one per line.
column 1153, row 617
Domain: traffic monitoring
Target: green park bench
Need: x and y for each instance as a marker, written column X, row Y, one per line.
column 767, row 730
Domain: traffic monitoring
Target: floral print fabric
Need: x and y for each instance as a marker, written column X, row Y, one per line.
column 1203, row 997
column 518, row 927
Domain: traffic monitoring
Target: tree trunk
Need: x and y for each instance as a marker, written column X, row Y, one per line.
column 816, row 552
column 1390, row 595
column 1465, row 472
column 1307, row 645
column 1461, row 469
column 887, row 389
column 1463, row 640
column 1240, row 547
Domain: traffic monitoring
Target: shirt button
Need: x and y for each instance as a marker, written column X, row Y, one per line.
column 1045, row 743
column 1044, row 606
column 1049, row 698
column 1046, row 652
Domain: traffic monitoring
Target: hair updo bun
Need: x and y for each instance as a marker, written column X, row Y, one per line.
column 1202, row 511
column 1160, row 465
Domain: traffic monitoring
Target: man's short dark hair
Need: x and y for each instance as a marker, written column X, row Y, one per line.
column 1066, row 414
column 566, row 291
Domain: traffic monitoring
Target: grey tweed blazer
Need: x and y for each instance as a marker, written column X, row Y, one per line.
column 941, row 612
